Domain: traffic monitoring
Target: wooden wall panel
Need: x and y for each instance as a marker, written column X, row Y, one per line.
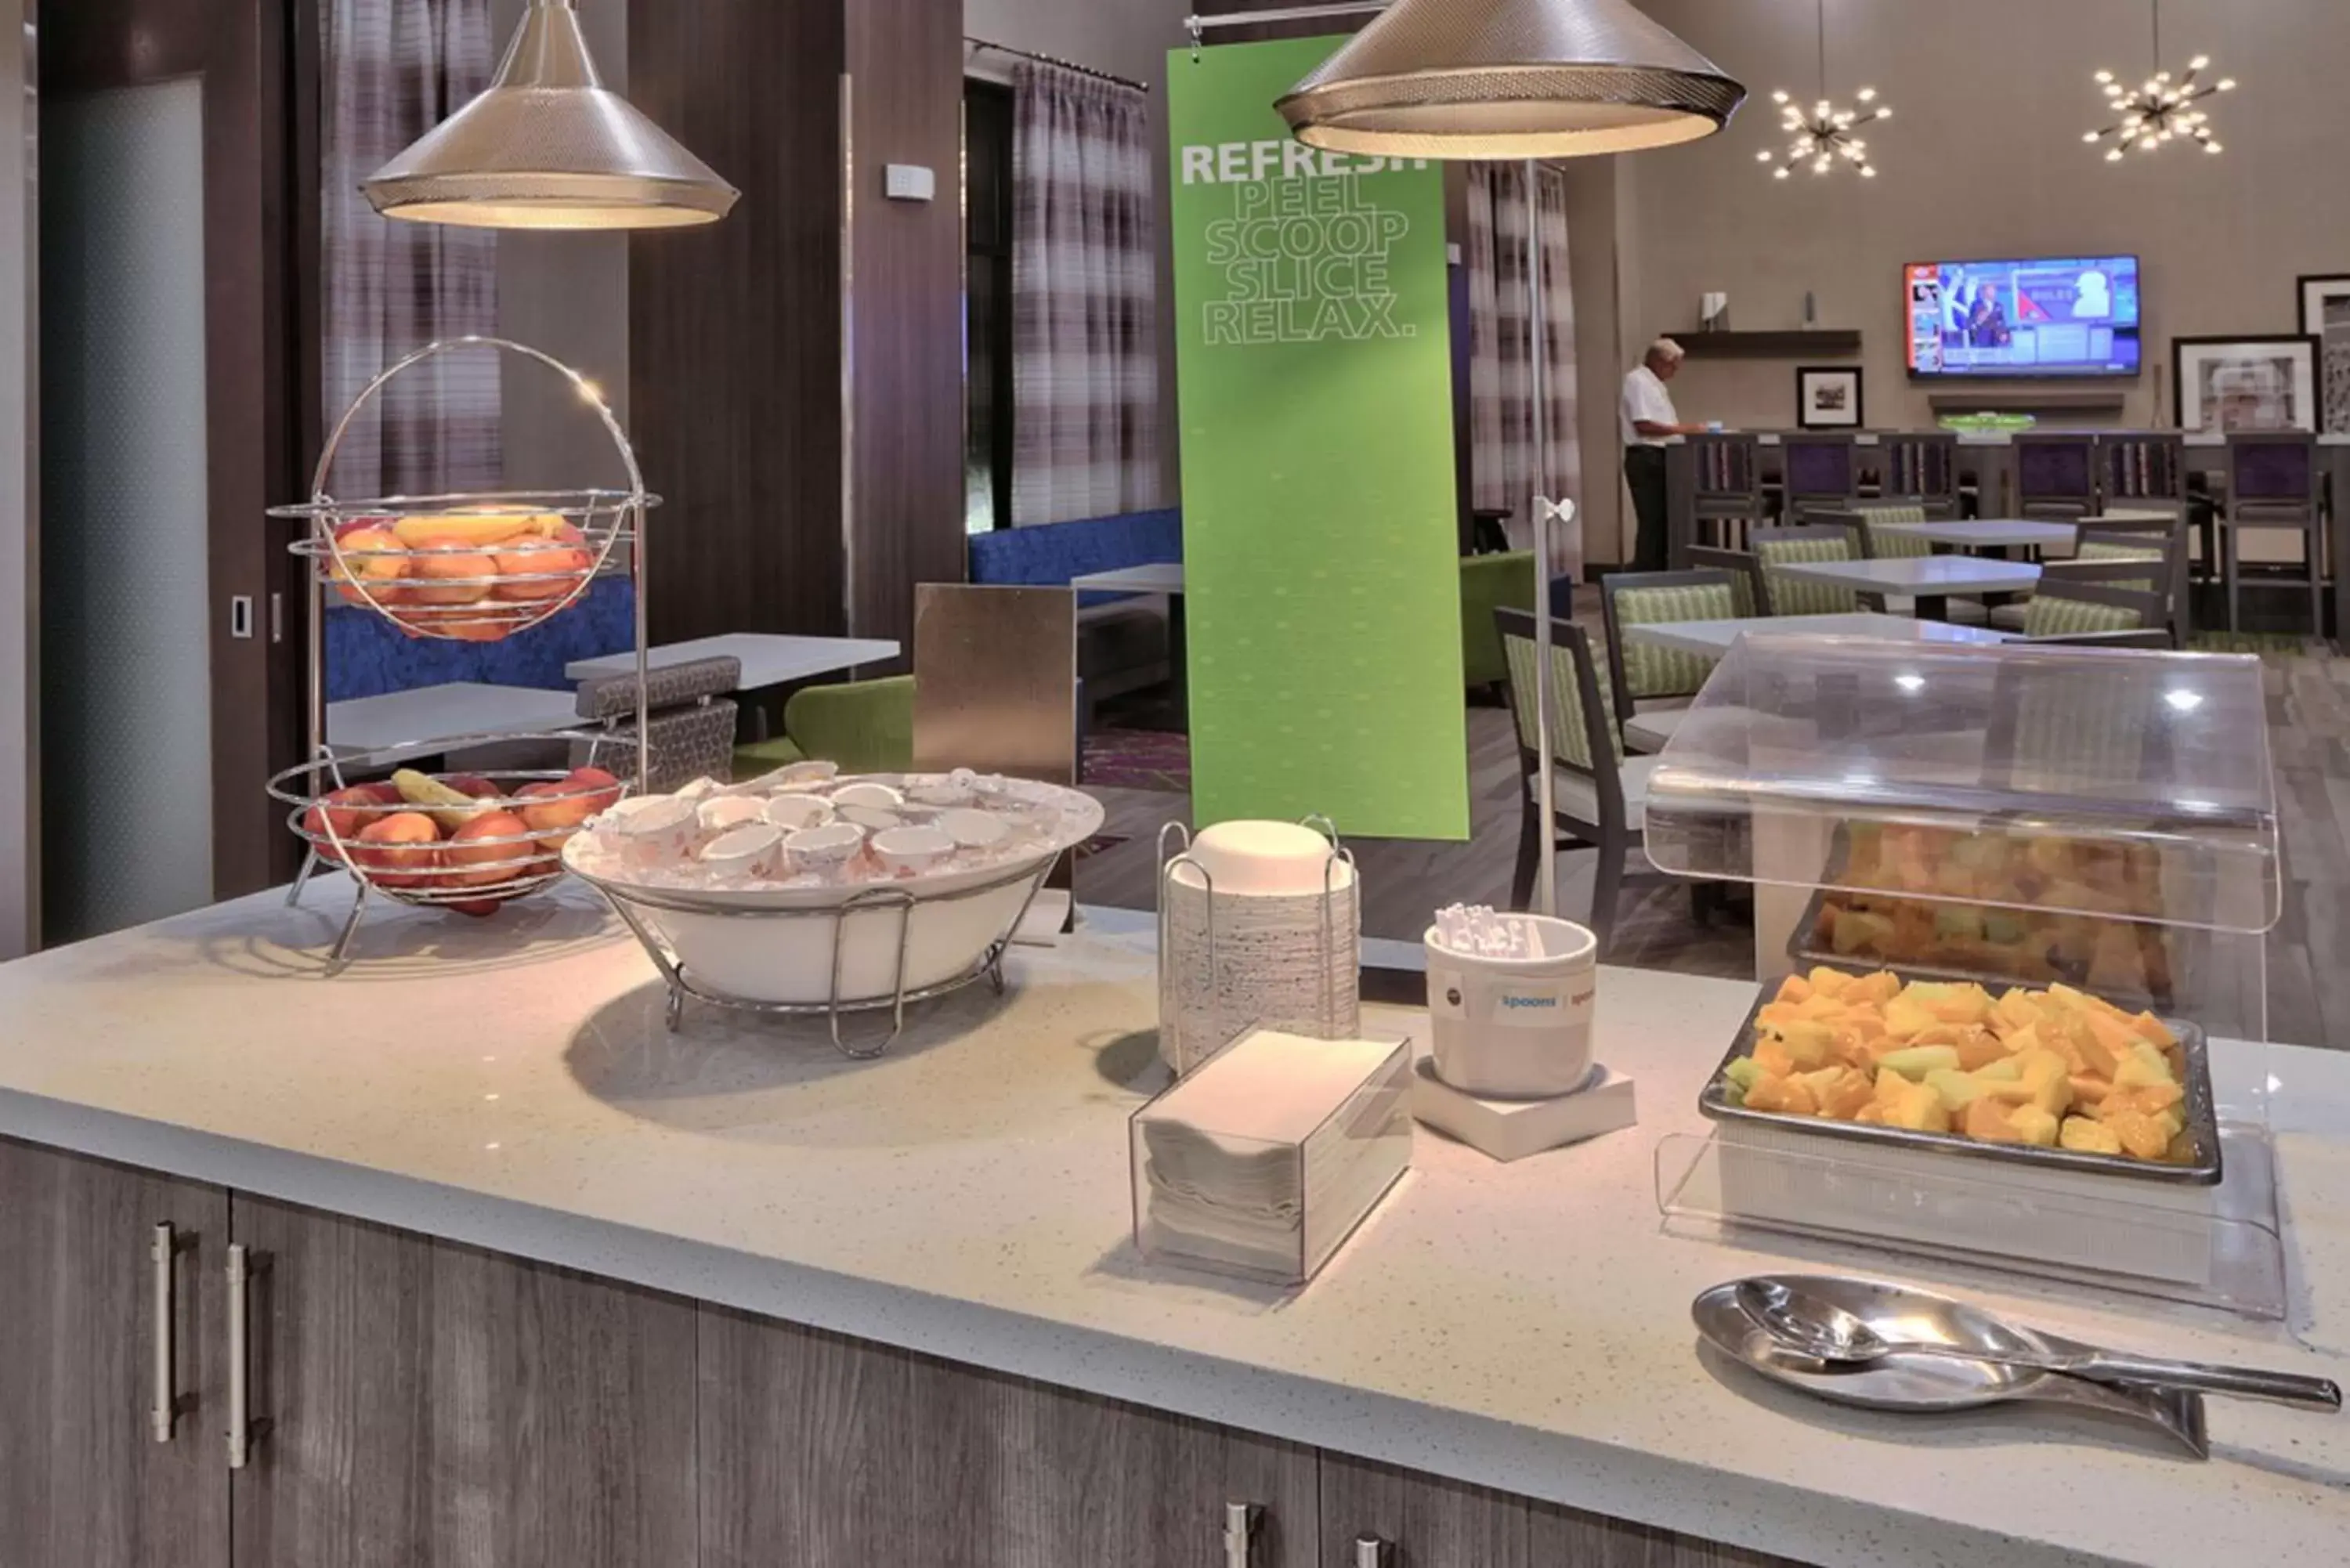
column 905, row 62
column 734, row 328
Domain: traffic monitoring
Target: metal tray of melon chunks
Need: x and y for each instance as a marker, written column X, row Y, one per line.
column 2193, row 1157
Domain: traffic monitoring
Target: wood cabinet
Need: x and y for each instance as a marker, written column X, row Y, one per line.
column 819, row 1451
column 418, row 1405
column 83, row 1478
column 412, row 1404
column 1376, row 1516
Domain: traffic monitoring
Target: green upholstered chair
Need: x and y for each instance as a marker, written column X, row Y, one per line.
column 1746, row 589
column 866, row 726
column 2108, row 604
column 1881, row 545
column 1646, row 598
column 1488, row 582
column 1599, row 795
column 1785, row 595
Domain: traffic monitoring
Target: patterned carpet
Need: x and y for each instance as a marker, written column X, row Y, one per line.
column 1140, row 759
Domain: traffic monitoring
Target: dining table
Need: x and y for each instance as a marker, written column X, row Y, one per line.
column 1712, row 638
column 1997, row 534
column 1932, row 581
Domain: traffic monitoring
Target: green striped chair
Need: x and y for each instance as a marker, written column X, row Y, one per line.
column 1599, row 796
column 1776, row 548
column 2111, row 604
column 1646, row 598
column 1746, row 589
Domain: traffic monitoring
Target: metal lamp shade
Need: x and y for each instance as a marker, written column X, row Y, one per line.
column 548, row 146
column 1510, row 79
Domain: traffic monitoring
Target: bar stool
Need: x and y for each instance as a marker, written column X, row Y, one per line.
column 1921, row 466
column 1820, row 472
column 2055, row 476
column 1728, row 489
column 2272, row 482
column 2141, row 473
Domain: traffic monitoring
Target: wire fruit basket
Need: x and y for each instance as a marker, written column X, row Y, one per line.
column 466, row 566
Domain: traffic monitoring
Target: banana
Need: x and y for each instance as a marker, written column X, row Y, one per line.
column 449, row 808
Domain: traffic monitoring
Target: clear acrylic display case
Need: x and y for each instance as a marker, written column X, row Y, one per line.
column 2020, row 816
column 1263, row 1159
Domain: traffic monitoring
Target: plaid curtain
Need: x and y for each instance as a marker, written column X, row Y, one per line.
column 392, row 72
column 1084, row 402
column 1500, row 366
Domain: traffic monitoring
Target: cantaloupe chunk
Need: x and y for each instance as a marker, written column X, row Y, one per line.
column 1794, row 989
column 2084, row 1137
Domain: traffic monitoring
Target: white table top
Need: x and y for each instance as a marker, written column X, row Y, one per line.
column 461, row 707
column 1987, row 533
column 1714, row 637
column 1918, row 574
column 509, row 1084
column 769, row 659
column 1159, row 577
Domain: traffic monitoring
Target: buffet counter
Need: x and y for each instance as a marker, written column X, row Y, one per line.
column 510, row 1085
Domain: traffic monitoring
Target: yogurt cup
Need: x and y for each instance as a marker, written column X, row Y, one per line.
column 868, row 793
column 756, row 850
column 659, row 832
column 910, row 851
column 974, row 830
column 728, row 812
column 823, row 848
column 793, row 812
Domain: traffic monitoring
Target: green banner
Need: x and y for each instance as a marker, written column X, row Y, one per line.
column 1320, row 533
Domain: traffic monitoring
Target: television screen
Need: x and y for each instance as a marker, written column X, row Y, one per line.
column 2074, row 316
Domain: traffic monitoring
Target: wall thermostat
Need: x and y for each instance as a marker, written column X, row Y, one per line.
column 910, row 182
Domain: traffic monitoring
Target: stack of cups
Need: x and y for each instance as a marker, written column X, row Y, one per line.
column 1515, row 1027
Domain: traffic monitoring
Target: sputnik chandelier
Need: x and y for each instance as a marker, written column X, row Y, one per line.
column 1825, row 135
column 2162, row 108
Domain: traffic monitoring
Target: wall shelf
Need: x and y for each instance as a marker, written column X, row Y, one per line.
column 1819, row 343
column 2011, row 400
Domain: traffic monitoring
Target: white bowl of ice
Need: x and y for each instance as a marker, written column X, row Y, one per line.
column 773, row 941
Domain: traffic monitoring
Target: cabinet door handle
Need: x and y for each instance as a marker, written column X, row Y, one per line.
column 1239, row 1531
column 1371, row 1552
column 162, row 1247
column 240, row 1421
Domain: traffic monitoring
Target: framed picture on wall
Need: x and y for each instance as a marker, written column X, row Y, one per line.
column 2253, row 383
column 1828, row 398
column 2325, row 316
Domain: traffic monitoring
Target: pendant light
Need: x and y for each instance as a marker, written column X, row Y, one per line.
column 548, row 146
column 2162, row 111
column 1510, row 79
column 1823, row 136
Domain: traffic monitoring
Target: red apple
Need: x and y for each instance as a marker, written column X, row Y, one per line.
column 561, row 557
column 402, row 850
column 474, row 785
column 475, row 863
column 368, row 558
column 606, row 787
column 346, row 811
column 555, row 808
column 480, row 908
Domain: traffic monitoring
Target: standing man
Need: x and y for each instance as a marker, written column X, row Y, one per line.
column 1647, row 417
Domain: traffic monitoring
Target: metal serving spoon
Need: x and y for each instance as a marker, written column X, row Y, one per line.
column 1827, row 1332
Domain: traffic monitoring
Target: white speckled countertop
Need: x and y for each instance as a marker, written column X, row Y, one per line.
column 511, row 1086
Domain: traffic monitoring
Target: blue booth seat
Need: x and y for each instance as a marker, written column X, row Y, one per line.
column 368, row 657
column 1121, row 647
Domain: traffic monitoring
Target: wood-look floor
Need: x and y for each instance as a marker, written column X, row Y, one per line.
column 1404, row 882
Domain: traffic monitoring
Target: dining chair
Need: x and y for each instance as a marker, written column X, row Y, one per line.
column 1646, row 598
column 1599, row 795
column 1785, row 595
column 2273, row 483
column 1819, row 470
column 2055, row 476
column 1865, row 520
column 1728, row 498
column 2146, row 536
column 2141, row 465
column 1745, row 578
column 2108, row 604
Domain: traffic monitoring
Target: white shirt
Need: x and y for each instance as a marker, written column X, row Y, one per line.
column 1646, row 401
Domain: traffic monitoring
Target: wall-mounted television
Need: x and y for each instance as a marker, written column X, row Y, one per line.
column 2059, row 316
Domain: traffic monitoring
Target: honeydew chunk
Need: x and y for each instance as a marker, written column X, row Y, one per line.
column 2005, row 1070
column 1920, row 1109
column 1856, row 930
column 1907, row 1017
column 1959, row 1090
column 2083, row 1136
column 1809, row 1043
column 1743, row 1072
column 1916, row 1060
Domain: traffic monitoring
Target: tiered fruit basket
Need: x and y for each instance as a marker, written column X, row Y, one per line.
column 469, row 567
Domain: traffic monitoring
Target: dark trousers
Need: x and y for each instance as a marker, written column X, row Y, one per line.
column 1644, row 471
